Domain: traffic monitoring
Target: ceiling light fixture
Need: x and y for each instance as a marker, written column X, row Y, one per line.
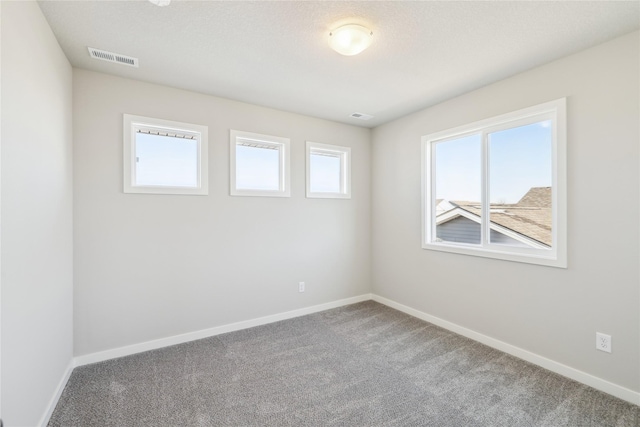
column 350, row 39
column 161, row 3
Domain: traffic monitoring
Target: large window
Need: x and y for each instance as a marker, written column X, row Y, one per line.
column 259, row 165
column 328, row 171
column 164, row 157
column 497, row 188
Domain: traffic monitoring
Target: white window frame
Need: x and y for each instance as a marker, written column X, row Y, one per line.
column 282, row 144
column 554, row 257
column 132, row 123
column 344, row 153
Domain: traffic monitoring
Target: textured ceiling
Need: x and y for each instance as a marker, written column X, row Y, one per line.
column 276, row 54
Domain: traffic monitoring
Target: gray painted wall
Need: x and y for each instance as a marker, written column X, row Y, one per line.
column 153, row 266
column 36, row 212
column 549, row 311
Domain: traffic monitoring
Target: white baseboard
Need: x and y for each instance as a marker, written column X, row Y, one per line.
column 551, row 365
column 559, row 368
column 205, row 333
column 44, row 420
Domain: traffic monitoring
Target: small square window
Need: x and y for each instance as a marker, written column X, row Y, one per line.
column 259, row 165
column 328, row 171
column 164, row 157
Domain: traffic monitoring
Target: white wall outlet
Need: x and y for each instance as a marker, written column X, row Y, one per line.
column 300, row 286
column 603, row 342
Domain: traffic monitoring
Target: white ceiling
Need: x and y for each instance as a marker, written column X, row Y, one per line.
column 276, row 54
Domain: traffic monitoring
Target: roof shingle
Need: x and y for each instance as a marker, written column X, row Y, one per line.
column 530, row 217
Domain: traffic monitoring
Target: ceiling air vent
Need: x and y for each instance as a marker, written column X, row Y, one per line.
column 113, row 57
column 361, row 116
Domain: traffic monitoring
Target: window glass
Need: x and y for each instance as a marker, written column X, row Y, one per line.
column 164, row 157
column 166, row 161
column 458, row 183
column 520, row 184
column 259, row 165
column 326, row 171
column 257, row 168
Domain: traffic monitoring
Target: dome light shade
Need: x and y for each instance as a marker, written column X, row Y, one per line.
column 350, row 39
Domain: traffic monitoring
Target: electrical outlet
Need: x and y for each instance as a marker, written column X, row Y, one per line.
column 300, row 286
column 603, row 342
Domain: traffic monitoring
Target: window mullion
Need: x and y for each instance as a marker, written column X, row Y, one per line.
column 133, row 159
column 485, row 230
column 343, row 172
column 432, row 202
column 283, row 171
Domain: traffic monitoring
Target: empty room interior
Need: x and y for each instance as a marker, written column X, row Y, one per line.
column 312, row 213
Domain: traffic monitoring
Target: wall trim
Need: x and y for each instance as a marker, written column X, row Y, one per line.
column 551, row 365
column 44, row 420
column 216, row 330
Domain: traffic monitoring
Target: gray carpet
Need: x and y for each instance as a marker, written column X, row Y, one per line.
column 360, row 365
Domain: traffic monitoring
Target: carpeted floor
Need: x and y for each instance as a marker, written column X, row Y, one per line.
column 360, row 365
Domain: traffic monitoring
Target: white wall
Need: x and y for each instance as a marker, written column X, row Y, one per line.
column 153, row 266
column 36, row 212
column 549, row 311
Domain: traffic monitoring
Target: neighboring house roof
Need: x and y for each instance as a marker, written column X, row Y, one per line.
column 530, row 218
column 536, row 196
column 443, row 206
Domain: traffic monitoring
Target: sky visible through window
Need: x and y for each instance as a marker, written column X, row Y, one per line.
column 166, row 161
column 519, row 159
column 458, row 164
column 257, row 168
column 325, row 173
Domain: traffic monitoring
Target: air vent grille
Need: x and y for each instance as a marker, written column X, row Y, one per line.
column 361, row 116
column 104, row 55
